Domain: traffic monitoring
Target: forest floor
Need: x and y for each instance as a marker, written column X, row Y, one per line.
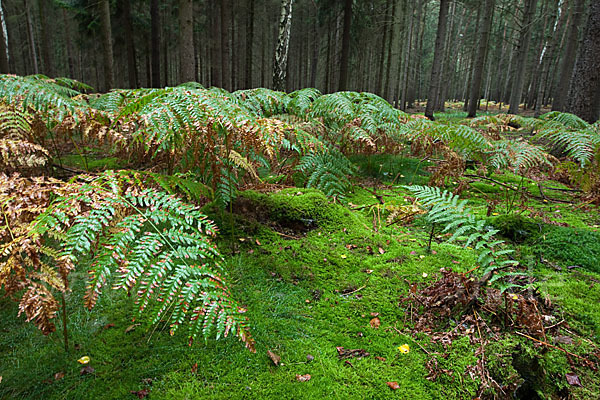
column 325, row 288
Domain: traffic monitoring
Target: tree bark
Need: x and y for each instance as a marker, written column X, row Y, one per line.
column 69, row 46
column 32, row 47
column 387, row 26
column 522, row 52
column 155, row 39
column 484, row 33
column 187, row 63
column 47, row 54
column 560, row 100
column 584, row 93
column 344, row 61
column 132, row 73
column 4, row 56
column 438, row 55
column 107, row 44
column 250, row 45
column 283, row 43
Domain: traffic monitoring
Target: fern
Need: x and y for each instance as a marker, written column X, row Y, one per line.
column 327, row 171
column 580, row 140
column 446, row 209
column 519, row 155
column 148, row 243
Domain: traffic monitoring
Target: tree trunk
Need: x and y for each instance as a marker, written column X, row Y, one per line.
column 548, row 57
column 250, row 45
column 155, row 39
column 387, row 26
column 483, row 35
column 107, row 44
column 343, row 85
column 4, row 58
column 129, row 43
column 47, row 54
column 386, row 82
column 522, row 52
column 69, row 46
column 567, row 64
column 438, row 55
column 32, row 47
column 584, row 94
column 187, row 63
column 283, row 43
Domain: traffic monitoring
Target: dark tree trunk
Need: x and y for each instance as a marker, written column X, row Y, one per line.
column 187, row 63
column 31, row 39
column 4, row 65
column 129, row 43
column 567, row 64
column 155, row 38
column 107, row 44
column 250, row 45
column 386, row 82
column 343, row 85
column 438, row 55
column 387, row 26
column 46, row 37
column 283, row 43
column 483, row 35
column 225, row 75
column 522, row 52
column 584, row 94
column 69, row 46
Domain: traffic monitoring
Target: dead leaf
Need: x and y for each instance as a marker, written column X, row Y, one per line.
column 374, row 314
column 84, row 360
column 194, row 368
column 59, row 375
column 563, row 339
column 108, row 326
column 257, row 242
column 369, row 250
column 274, row 357
column 393, row 385
column 380, row 358
column 87, row 370
column 381, row 250
column 350, row 353
column 131, row 328
column 573, row 379
column 348, row 364
column 141, row 394
column 351, row 246
column 147, row 381
column 309, row 357
column 0, row 378
column 303, row 378
column 375, row 323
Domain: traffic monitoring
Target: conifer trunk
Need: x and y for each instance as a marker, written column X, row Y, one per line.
column 187, row 63
column 343, row 85
column 438, row 55
column 486, row 24
column 283, row 43
column 155, row 40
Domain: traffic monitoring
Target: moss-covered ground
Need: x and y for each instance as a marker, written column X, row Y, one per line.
column 313, row 274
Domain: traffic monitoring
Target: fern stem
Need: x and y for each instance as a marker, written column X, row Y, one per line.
column 430, row 237
column 64, row 321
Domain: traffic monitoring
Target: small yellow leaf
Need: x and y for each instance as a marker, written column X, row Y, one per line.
column 84, row 360
column 424, row 274
column 421, row 256
column 343, row 256
column 515, row 297
column 404, row 348
column 495, row 214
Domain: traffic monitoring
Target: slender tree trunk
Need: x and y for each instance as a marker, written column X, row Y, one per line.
column 483, row 35
column 4, row 56
column 46, row 37
column 345, row 59
column 584, row 93
column 438, row 55
column 107, row 44
column 387, row 27
column 386, row 82
column 567, row 64
column 32, row 46
column 250, row 44
column 522, row 52
column 69, row 46
column 129, row 44
column 155, row 38
column 548, row 56
column 316, row 47
column 283, row 43
column 225, row 72
column 186, row 41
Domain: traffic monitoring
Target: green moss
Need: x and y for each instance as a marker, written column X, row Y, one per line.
column 516, row 227
column 571, row 246
column 91, row 162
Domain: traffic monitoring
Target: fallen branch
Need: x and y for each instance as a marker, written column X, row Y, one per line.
column 555, row 347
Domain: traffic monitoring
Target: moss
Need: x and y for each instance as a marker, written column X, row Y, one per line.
column 92, row 162
column 516, row 227
column 571, row 247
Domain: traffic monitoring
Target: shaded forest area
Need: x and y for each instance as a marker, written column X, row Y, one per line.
column 536, row 53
